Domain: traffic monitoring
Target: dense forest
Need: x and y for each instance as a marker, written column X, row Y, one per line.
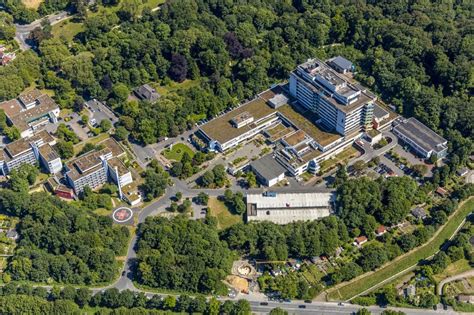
column 60, row 242
column 24, row 299
column 417, row 55
column 182, row 254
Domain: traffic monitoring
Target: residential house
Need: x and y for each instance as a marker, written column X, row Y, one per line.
column 359, row 241
column 146, row 93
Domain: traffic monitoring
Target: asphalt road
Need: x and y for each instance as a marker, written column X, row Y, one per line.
column 23, row 30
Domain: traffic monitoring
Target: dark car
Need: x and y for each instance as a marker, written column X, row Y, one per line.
column 124, row 273
column 308, row 301
column 263, row 303
column 301, row 306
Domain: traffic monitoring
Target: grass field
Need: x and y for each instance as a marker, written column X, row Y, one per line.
column 176, row 152
column 32, row 4
column 174, row 86
column 78, row 147
column 369, row 280
column 67, row 29
column 224, row 217
column 453, row 269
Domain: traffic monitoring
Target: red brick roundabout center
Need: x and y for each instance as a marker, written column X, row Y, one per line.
column 122, row 214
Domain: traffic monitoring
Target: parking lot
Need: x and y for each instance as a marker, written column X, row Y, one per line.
column 98, row 112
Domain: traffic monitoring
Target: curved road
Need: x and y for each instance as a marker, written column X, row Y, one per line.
column 23, row 30
column 466, row 274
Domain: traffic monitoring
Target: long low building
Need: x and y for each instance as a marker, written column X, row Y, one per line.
column 268, row 170
column 287, row 207
column 424, row 141
column 31, row 112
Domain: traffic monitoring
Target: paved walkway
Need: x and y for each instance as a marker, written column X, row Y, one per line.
column 466, row 274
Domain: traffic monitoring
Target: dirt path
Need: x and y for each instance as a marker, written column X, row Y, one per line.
column 466, row 274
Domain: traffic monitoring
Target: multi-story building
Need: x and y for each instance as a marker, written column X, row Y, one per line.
column 342, row 104
column 31, row 112
column 95, row 168
column 36, row 149
column 89, row 169
column 285, row 207
column 424, row 141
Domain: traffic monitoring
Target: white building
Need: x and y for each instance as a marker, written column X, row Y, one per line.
column 31, row 112
column 234, row 127
column 420, row 138
column 342, row 105
column 95, row 168
column 287, row 207
column 36, row 149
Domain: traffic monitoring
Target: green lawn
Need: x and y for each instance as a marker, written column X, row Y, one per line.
column 174, row 86
column 453, row 269
column 363, row 283
column 176, row 152
column 67, row 29
column 78, row 147
column 224, row 217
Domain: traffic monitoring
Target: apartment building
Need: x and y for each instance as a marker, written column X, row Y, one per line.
column 30, row 112
column 286, row 207
column 424, row 141
column 342, row 104
column 36, row 149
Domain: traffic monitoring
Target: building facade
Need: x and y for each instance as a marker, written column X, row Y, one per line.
column 424, row 141
column 341, row 105
column 36, row 149
column 96, row 168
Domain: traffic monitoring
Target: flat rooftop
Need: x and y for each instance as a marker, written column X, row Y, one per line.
column 86, row 163
column 29, row 97
column 20, row 146
column 113, row 146
column 283, row 200
column 361, row 100
column 48, row 153
column 22, row 119
column 268, row 167
column 279, row 131
column 420, row 134
column 305, row 120
column 380, row 112
column 221, row 128
column 295, row 138
column 11, row 107
column 117, row 163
